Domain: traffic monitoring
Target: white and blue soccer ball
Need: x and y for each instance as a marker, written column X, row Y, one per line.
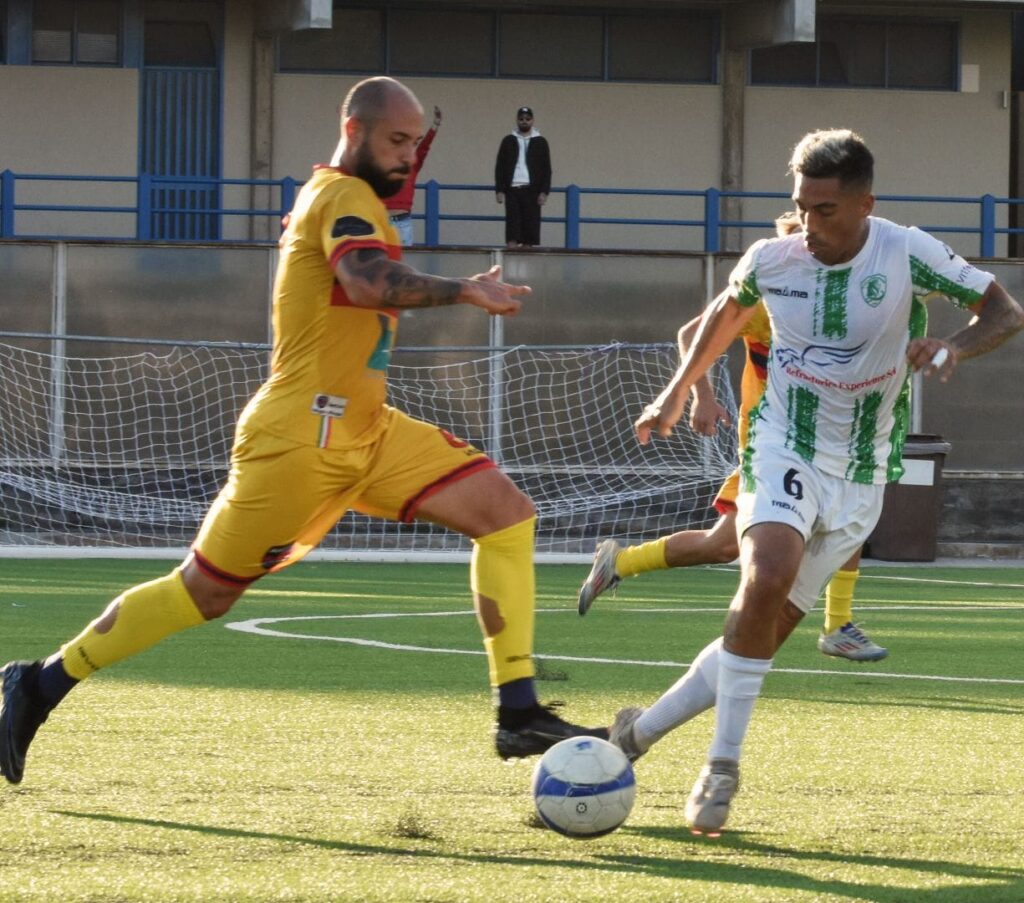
column 584, row 787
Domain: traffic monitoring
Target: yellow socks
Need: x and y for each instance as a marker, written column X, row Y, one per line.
column 839, row 599
column 134, row 621
column 648, row 556
column 501, row 577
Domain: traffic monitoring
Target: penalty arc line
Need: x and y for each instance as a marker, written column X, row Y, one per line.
column 255, row 626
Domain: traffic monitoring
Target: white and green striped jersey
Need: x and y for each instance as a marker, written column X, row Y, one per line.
column 838, row 382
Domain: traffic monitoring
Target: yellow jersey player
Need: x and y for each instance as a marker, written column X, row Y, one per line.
column 719, row 545
column 318, row 439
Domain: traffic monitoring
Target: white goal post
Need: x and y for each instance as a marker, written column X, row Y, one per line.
column 122, row 455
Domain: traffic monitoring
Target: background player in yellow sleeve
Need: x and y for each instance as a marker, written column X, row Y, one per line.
column 318, row 439
column 719, row 545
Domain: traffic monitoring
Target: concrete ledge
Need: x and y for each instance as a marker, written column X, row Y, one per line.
column 1007, row 552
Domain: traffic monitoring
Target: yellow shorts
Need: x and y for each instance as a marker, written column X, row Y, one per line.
column 281, row 498
column 725, row 501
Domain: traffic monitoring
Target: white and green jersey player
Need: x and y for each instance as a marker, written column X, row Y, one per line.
column 838, row 378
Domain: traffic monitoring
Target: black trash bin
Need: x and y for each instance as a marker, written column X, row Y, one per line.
column 908, row 527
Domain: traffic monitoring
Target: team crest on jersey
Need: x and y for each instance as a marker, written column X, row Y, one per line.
column 329, row 405
column 872, row 289
column 352, row 226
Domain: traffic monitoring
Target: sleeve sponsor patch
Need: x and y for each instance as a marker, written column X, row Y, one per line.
column 352, row 226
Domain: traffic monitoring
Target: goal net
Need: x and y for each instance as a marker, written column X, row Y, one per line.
column 127, row 452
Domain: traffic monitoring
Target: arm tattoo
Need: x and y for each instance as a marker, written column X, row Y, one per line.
column 394, row 284
column 999, row 320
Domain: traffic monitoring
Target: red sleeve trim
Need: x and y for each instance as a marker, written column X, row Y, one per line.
column 724, row 507
column 757, row 353
column 344, row 247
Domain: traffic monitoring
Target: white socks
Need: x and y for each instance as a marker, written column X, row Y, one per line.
column 692, row 694
column 739, row 685
column 717, row 678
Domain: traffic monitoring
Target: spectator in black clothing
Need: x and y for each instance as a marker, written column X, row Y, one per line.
column 522, row 180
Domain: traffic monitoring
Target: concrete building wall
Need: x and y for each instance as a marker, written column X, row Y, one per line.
column 925, row 142
column 71, row 121
column 601, row 135
column 669, row 137
column 236, row 113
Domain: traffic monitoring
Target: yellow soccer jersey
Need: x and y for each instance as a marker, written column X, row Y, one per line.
column 757, row 336
column 327, row 384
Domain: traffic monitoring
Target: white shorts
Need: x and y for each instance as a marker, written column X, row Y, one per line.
column 834, row 516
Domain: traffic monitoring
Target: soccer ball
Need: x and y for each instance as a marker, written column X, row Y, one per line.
column 584, row 787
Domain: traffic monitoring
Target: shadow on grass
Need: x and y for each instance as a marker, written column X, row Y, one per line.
column 941, row 703
column 989, row 884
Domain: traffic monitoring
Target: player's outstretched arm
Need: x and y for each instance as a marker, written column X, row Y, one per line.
column 997, row 317
column 705, row 411
column 720, row 323
column 371, row 279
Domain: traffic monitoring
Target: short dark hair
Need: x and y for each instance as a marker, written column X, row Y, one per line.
column 834, row 153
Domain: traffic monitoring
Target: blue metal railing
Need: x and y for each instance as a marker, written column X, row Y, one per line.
column 711, row 222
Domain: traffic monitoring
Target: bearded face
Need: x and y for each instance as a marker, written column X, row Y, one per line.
column 384, row 182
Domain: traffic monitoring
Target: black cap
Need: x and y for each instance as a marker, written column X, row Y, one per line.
column 525, row 110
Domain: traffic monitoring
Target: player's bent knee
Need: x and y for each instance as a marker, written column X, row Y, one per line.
column 766, row 587
column 789, row 617
column 211, row 598
column 509, row 506
column 522, row 508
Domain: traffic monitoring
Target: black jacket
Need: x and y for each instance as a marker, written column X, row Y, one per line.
column 538, row 162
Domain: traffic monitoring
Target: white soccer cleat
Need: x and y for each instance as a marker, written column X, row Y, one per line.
column 623, row 734
column 849, row 641
column 708, row 806
column 602, row 576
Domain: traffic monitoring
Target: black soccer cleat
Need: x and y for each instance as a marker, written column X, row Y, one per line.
column 21, row 713
column 536, row 730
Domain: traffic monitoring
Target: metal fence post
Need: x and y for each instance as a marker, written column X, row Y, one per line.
column 496, row 379
column 572, row 216
column 432, row 214
column 144, row 208
column 711, row 219
column 988, row 226
column 7, row 204
column 58, row 350
column 287, row 195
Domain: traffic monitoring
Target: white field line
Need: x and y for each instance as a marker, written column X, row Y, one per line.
column 256, row 626
column 944, row 581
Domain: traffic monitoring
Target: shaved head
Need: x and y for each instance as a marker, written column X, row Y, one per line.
column 381, row 124
column 374, row 98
